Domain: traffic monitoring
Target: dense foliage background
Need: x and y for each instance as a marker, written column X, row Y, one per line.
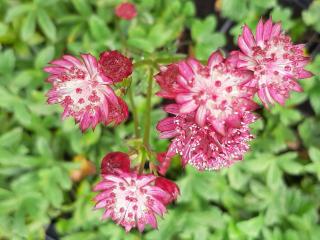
column 47, row 167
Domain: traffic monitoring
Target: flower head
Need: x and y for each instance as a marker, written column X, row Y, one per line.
column 131, row 199
column 84, row 93
column 115, row 161
column 214, row 93
column 276, row 62
column 204, row 147
column 126, row 11
column 114, row 65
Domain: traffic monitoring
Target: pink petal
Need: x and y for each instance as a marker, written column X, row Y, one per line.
column 185, row 70
column 305, row 74
column 276, row 29
column 172, row 108
column 72, row 59
column 259, row 31
column 219, row 127
column 184, row 97
column 188, row 107
column 215, row 59
column 54, row 70
column 194, row 64
column 278, row 97
column 243, row 46
column 166, row 124
column 201, row 115
column 267, row 30
column 91, row 63
column 248, row 37
column 151, row 219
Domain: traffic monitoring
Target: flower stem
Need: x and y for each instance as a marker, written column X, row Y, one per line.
column 146, row 136
column 134, row 112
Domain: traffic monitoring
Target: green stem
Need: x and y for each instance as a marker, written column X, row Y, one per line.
column 134, row 112
column 146, row 136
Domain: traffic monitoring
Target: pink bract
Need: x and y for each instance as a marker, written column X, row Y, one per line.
column 126, row 11
column 204, row 147
column 84, row 93
column 215, row 93
column 168, row 186
column 131, row 199
column 276, row 62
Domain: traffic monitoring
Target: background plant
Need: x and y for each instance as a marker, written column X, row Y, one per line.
column 47, row 166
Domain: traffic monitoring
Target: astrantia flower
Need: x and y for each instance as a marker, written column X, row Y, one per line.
column 126, row 11
column 276, row 62
column 214, row 93
column 131, row 199
column 115, row 161
column 204, row 147
column 84, row 93
column 115, row 66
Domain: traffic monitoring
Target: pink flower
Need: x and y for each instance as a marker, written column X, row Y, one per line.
column 84, row 93
column 214, row 93
column 131, row 199
column 115, row 161
column 204, row 147
column 126, row 11
column 115, row 66
column 276, row 62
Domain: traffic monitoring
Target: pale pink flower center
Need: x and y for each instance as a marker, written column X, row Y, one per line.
column 215, row 91
column 130, row 202
column 81, row 92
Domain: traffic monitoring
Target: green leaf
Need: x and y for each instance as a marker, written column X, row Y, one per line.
column 28, row 26
column 311, row 15
column 234, row 9
column 11, row 138
column 201, row 29
column 310, row 132
column 7, row 61
column 22, row 113
column 314, row 154
column 46, row 24
column 83, row 7
column 251, row 227
column 274, row 177
column 17, row 10
column 142, row 44
column 189, row 9
column 44, row 56
column 98, row 28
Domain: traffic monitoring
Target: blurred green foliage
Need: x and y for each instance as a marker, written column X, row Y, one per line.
column 273, row 194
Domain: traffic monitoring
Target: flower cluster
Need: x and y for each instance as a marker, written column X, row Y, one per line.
column 213, row 103
column 212, row 111
column 209, row 117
